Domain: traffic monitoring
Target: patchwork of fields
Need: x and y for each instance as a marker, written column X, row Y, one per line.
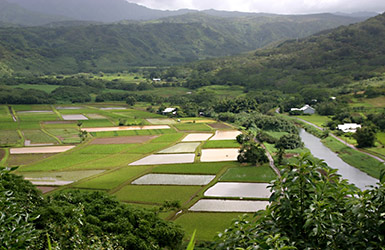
column 149, row 161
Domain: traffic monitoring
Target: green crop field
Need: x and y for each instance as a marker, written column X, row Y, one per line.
column 107, row 162
column 249, row 174
column 26, row 159
column 66, row 135
column 156, row 194
column 38, row 136
column 133, row 132
column 381, row 137
column 221, row 144
column 193, row 127
column 168, row 138
column 96, row 123
column 106, row 149
column 63, row 161
column 217, row 222
column 113, row 179
column 9, row 137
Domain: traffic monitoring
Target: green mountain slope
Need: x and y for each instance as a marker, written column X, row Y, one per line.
column 169, row 41
column 329, row 58
column 11, row 13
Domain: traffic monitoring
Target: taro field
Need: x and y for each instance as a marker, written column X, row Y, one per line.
column 143, row 159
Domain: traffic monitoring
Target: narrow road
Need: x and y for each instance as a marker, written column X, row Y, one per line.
column 271, row 160
column 341, row 140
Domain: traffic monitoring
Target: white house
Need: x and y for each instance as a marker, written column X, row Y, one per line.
column 156, row 79
column 169, row 111
column 349, row 127
column 305, row 109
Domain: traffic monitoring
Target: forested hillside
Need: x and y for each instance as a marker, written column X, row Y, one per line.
column 114, row 47
column 329, row 58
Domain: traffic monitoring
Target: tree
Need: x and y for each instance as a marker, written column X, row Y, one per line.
column 253, row 153
column 312, row 208
column 365, row 137
column 289, row 141
column 130, row 100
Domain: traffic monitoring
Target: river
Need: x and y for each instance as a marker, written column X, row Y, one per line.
column 352, row 174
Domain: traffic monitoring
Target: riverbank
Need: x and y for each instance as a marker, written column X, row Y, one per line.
column 319, row 149
column 364, row 161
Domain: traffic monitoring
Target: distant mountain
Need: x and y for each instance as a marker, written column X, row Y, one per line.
column 328, row 59
column 12, row 14
column 363, row 14
column 169, row 41
column 118, row 10
column 96, row 10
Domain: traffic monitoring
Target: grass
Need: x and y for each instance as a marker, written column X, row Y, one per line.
column 113, row 179
column 196, row 168
column 249, row 174
column 354, row 157
column 38, row 136
column 9, row 137
column 221, row 144
column 193, row 127
column 207, row 225
column 43, row 87
column 381, row 137
column 316, row 119
column 156, row 194
column 276, row 134
column 225, row 90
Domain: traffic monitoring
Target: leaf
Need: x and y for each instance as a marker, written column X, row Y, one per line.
column 382, row 176
column 49, row 242
column 191, row 244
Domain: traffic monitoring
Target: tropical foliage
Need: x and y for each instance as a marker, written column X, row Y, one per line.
column 312, row 208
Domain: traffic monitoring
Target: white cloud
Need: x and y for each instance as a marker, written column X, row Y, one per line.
column 272, row 6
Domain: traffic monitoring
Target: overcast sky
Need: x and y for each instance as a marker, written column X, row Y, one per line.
column 270, row 6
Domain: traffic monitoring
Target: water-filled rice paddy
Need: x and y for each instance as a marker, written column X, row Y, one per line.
column 58, row 178
column 197, row 137
column 225, row 154
column 225, row 135
column 174, row 179
column 161, row 121
column 211, row 205
column 241, row 190
column 75, row 117
column 40, row 150
column 165, row 159
column 181, row 148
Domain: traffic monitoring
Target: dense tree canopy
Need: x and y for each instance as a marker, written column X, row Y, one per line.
column 77, row 220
